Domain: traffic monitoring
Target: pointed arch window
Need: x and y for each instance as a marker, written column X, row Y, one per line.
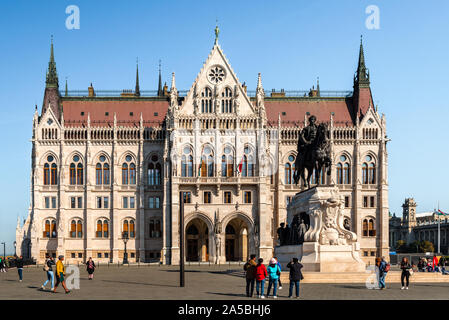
column 46, row 233
column 50, row 171
column 227, row 162
column 343, row 170
column 125, row 232
column 79, row 229
column 289, row 169
column 226, row 102
column 247, row 163
column 369, row 227
column 154, row 171
column 132, row 229
column 206, row 100
column 369, row 170
column 125, row 173
column 76, row 171
column 102, row 175
column 73, row 229
column 102, row 228
column 207, row 162
column 187, row 162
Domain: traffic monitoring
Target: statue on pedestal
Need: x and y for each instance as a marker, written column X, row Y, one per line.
column 313, row 152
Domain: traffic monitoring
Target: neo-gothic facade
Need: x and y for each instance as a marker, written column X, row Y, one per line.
column 106, row 168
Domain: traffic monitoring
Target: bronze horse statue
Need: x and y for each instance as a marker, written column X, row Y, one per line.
column 315, row 157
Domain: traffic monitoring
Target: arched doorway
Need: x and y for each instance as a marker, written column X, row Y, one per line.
column 236, row 245
column 197, row 241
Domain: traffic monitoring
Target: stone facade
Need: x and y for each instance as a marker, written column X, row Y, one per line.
column 230, row 152
column 422, row 226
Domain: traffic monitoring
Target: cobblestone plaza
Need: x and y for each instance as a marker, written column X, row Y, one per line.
column 202, row 283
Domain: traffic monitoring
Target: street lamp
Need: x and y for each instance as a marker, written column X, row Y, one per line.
column 125, row 240
column 15, row 251
column 4, row 250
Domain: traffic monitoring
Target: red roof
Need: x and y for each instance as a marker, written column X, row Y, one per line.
column 102, row 112
column 295, row 110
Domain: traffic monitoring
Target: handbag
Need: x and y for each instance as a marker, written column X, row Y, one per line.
column 410, row 272
column 46, row 268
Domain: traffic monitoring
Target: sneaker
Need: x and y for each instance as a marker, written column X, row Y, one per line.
column 52, row 289
column 262, row 297
column 406, row 288
column 290, row 297
column 20, row 280
column 280, row 288
column 43, row 288
column 298, row 298
column 402, row 288
column 68, row 291
column 275, row 297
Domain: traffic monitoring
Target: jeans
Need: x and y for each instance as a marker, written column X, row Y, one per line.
column 296, row 284
column 274, row 283
column 50, row 277
column 261, row 284
column 250, row 286
column 406, row 275
column 382, row 277
column 20, row 271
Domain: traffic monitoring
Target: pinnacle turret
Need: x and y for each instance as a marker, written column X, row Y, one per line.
column 362, row 74
column 137, row 90
column 52, row 75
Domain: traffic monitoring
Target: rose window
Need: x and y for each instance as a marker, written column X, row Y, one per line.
column 216, row 75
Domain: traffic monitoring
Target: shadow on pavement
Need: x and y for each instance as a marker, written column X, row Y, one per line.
column 351, row 287
column 229, row 294
column 142, row 283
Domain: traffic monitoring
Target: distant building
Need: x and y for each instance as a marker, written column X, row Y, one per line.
column 419, row 227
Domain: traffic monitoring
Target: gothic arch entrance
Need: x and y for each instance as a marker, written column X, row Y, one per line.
column 197, row 241
column 236, row 244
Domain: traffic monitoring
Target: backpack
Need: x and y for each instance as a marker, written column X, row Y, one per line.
column 387, row 267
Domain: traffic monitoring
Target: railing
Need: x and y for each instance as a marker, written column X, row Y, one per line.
column 183, row 93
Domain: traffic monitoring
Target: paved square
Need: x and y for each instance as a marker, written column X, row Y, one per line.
column 202, row 282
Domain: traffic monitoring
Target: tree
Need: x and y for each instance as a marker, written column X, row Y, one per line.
column 401, row 246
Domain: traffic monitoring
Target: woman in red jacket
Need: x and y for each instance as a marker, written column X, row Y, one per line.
column 261, row 274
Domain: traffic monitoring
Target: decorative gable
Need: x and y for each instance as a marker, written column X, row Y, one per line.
column 217, row 90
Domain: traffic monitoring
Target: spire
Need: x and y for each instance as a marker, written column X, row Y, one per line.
column 217, row 32
column 159, row 87
column 362, row 75
column 52, row 75
column 66, row 88
column 318, row 86
column 259, row 81
column 137, row 91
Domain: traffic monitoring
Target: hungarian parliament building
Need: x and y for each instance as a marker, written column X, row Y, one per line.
column 109, row 169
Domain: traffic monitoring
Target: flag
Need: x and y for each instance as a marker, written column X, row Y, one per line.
column 441, row 213
column 241, row 165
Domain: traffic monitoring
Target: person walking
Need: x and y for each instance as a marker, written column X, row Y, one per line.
column 261, row 274
column 274, row 274
column 48, row 267
column 90, row 268
column 250, row 274
column 295, row 276
column 60, row 273
column 19, row 265
column 405, row 267
column 435, row 263
column 383, row 269
column 280, row 270
column 2, row 265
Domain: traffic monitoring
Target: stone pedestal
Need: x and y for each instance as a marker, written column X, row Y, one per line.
column 327, row 246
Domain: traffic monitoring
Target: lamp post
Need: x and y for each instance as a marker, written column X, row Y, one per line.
column 181, row 239
column 125, row 240
column 4, row 250
column 15, row 246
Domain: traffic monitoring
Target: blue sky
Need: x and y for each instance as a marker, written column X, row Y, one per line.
column 289, row 42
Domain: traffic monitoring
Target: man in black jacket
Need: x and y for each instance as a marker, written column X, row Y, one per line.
column 295, row 276
column 19, row 265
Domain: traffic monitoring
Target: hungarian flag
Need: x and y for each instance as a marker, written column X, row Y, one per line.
column 239, row 168
column 441, row 213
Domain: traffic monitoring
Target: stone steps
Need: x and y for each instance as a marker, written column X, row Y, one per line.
column 359, row 277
